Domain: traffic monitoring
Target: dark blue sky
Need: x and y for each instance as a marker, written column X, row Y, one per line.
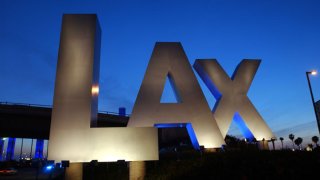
column 285, row 35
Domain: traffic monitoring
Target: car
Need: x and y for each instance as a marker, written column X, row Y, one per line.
column 8, row 171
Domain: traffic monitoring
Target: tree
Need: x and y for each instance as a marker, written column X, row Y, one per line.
column 298, row 142
column 315, row 140
column 272, row 140
column 232, row 142
column 281, row 139
column 291, row 137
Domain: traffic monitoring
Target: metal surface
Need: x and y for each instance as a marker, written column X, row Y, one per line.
column 232, row 99
column 74, row 106
column 169, row 60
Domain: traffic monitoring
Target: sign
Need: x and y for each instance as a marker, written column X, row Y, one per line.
column 73, row 135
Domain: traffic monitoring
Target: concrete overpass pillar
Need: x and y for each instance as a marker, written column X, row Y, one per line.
column 137, row 170
column 74, row 171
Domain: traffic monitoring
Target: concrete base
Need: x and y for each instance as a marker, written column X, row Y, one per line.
column 74, row 171
column 137, row 170
column 210, row 150
column 263, row 145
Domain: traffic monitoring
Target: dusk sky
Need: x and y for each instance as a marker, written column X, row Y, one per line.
column 284, row 34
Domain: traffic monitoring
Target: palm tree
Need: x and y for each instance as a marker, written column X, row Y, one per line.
column 281, row 139
column 315, row 140
column 272, row 140
column 298, row 142
column 291, row 137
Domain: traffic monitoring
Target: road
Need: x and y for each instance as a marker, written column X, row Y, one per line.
column 31, row 174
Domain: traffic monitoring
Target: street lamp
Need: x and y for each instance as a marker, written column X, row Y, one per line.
column 312, row 98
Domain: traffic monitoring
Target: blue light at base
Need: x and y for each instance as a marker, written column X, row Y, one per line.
column 173, row 125
column 49, row 167
column 243, row 127
column 1, row 147
column 39, row 149
column 193, row 137
column 10, row 149
column 189, row 128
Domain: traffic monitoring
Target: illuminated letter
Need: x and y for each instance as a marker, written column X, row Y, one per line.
column 75, row 104
column 232, row 99
column 169, row 60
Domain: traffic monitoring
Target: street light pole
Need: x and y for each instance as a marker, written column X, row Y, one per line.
column 312, row 97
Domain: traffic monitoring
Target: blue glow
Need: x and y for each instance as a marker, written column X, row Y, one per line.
column 171, row 125
column 243, row 127
column 10, row 149
column 49, row 167
column 193, row 137
column 1, row 147
column 190, row 130
column 39, row 149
